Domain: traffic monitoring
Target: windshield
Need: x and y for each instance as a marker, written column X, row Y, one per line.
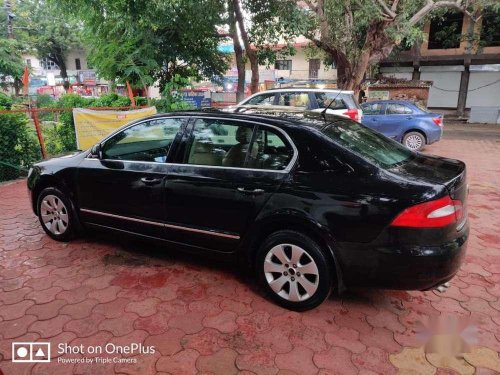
column 368, row 144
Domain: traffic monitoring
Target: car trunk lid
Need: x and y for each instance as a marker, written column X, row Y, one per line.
column 448, row 172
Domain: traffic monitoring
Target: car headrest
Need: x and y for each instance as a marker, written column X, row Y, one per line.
column 243, row 135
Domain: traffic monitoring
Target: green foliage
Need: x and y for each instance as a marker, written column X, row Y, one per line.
column 64, row 137
column 111, row 100
column 358, row 33
column 490, row 27
column 18, row 146
column 274, row 22
column 145, row 41
column 42, row 27
column 140, row 100
column 11, row 64
column 171, row 99
column 5, row 101
column 44, row 101
column 60, row 137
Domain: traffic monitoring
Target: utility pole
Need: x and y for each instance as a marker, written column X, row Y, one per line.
column 10, row 17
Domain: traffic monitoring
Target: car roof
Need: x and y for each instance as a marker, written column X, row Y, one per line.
column 389, row 102
column 280, row 118
column 306, row 89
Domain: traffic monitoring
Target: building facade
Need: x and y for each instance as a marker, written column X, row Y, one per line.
column 460, row 56
column 302, row 68
column 45, row 75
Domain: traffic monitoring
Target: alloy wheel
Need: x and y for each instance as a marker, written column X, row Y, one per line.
column 54, row 214
column 291, row 272
column 414, row 142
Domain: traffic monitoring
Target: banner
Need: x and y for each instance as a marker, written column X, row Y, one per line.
column 91, row 125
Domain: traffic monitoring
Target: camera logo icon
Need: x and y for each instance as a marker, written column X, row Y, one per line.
column 31, row 352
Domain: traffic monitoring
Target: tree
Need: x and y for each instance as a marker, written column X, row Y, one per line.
column 146, row 41
column 44, row 30
column 355, row 34
column 269, row 23
column 238, row 52
column 11, row 64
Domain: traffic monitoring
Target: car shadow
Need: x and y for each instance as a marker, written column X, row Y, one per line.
column 133, row 252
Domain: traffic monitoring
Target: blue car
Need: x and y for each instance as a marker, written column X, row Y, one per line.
column 404, row 122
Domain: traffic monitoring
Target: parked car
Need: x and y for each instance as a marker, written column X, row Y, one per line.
column 342, row 103
column 313, row 205
column 404, row 122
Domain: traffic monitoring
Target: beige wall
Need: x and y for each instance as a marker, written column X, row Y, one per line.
column 72, row 56
column 300, row 67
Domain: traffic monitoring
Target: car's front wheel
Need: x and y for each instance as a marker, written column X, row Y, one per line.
column 56, row 214
column 294, row 270
column 415, row 141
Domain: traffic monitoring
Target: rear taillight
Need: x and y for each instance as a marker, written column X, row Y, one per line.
column 352, row 114
column 433, row 214
column 438, row 121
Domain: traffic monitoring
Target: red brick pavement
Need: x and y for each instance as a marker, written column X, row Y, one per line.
column 206, row 318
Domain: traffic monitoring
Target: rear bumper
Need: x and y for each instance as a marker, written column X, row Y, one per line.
column 434, row 135
column 403, row 267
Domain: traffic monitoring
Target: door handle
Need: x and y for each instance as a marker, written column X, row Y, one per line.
column 250, row 192
column 409, row 117
column 150, row 180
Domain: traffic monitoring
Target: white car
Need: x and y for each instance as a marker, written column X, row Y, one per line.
column 337, row 101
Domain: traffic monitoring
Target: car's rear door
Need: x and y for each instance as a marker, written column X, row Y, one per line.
column 396, row 117
column 124, row 189
column 222, row 177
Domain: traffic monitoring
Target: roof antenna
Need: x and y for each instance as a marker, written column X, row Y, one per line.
column 323, row 112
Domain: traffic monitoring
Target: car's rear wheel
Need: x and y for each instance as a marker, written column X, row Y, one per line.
column 294, row 270
column 415, row 141
column 56, row 214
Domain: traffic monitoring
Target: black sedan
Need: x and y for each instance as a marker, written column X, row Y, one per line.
column 312, row 204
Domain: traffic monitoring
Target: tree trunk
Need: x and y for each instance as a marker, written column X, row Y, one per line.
column 238, row 54
column 58, row 58
column 251, row 54
column 377, row 46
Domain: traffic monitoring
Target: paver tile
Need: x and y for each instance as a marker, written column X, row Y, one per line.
column 204, row 317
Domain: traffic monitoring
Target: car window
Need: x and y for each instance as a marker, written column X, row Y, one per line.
column 273, row 151
column 148, row 141
column 366, row 143
column 397, row 109
column 293, row 99
column 371, row 109
column 220, row 143
column 350, row 100
column 332, row 100
column 263, row 99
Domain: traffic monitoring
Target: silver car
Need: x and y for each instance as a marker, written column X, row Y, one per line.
column 338, row 102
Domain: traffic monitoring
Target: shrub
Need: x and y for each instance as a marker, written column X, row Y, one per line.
column 65, row 133
column 112, row 100
column 140, row 100
column 19, row 147
column 44, row 101
column 5, row 101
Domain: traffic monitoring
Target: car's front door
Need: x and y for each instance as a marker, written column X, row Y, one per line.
column 373, row 115
column 124, row 188
column 225, row 172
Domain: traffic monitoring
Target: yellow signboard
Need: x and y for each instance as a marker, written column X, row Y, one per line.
column 91, row 125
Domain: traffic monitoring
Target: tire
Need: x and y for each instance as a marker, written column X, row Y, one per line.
column 293, row 289
column 415, row 141
column 57, row 215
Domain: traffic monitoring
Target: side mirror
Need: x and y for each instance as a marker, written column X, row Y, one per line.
column 96, row 152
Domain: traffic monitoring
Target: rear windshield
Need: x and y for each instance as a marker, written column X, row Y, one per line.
column 366, row 143
column 351, row 101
